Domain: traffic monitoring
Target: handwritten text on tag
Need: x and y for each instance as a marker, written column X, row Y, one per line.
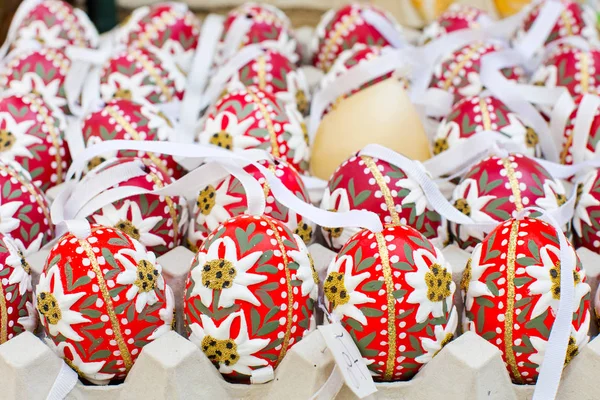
column 348, row 359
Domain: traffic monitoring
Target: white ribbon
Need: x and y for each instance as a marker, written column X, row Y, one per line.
column 559, row 118
column 24, row 8
column 235, row 36
column 65, row 381
column 541, row 28
column 586, row 112
column 384, row 26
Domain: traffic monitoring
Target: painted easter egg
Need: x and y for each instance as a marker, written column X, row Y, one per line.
column 456, row 17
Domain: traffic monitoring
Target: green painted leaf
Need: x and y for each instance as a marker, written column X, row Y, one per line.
column 372, row 286
column 371, row 312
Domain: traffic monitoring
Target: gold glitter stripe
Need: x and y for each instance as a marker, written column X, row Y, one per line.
column 391, row 306
column 70, row 20
column 136, row 136
column 566, row 148
column 337, row 33
column 268, row 121
column 149, row 29
column 385, row 190
column 3, row 317
column 585, row 72
column 32, row 191
column 266, row 187
column 485, row 115
column 514, row 183
column 53, row 134
column 261, row 72
column 290, row 293
column 510, row 303
column 154, row 74
column 566, row 22
column 467, row 57
column 116, row 327
column 170, row 204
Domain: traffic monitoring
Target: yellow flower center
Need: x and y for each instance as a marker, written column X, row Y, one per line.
column 466, row 277
column 555, row 279
column 560, row 199
column 304, row 231
column 315, row 275
column 531, row 138
column 447, row 339
column 47, row 305
column 126, row 226
column 305, row 132
column 334, row 232
column 438, row 281
column 206, row 199
column 301, row 101
column 222, row 139
column 24, row 263
column 579, row 193
column 146, row 276
column 218, row 274
column 123, row 93
column 40, row 40
column 463, row 206
column 7, row 140
column 192, row 246
column 222, row 351
column 335, row 290
column 94, row 162
column 572, row 350
column 440, row 145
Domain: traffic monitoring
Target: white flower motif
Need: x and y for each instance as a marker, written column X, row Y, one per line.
column 158, row 121
column 416, row 194
column 585, row 200
column 296, row 92
column 229, row 274
column 165, row 314
column 29, row 322
column 306, row 269
column 299, row 138
column 344, row 299
column 54, row 305
column 15, row 138
column 466, row 196
column 470, row 284
column 95, row 162
column 473, row 88
column 553, row 193
column 195, row 237
column 432, row 284
column 447, row 136
column 21, row 270
column 144, row 275
column 210, row 207
column 30, row 82
column 339, row 65
column 337, row 201
column 547, row 282
column 578, row 339
column 431, row 32
column 126, row 87
column 240, row 357
column 87, row 370
column 182, row 57
column 137, row 227
column 546, row 74
column 8, row 222
column 285, row 44
column 443, row 335
column 224, row 130
column 42, row 33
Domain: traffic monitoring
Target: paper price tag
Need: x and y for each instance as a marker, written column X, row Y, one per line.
column 348, row 359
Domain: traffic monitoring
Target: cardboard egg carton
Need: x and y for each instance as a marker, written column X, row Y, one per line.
column 171, row 367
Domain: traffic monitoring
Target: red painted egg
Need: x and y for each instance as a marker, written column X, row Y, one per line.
column 101, row 300
column 250, row 295
column 142, row 75
column 586, row 220
column 31, row 133
column 226, row 199
column 55, row 23
column 455, row 18
column 158, row 222
column 566, row 155
column 366, row 183
column 496, row 188
column 458, row 72
column 512, row 288
column 392, row 290
column 247, row 117
column 171, row 27
column 17, row 313
column 40, row 71
column 576, row 19
column 483, row 113
column 122, row 119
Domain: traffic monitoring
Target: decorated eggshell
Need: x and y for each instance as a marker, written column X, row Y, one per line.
column 31, row 133
column 367, row 183
column 250, row 295
column 274, row 73
column 576, row 19
column 122, row 119
column 16, row 308
column 341, row 29
column 41, row 71
column 247, row 117
column 455, row 18
column 171, row 27
column 458, row 72
column 575, row 69
column 143, row 75
column 101, row 300
column 483, row 113
column 592, row 137
column 496, row 188
column 511, row 287
column 55, row 23
column 586, row 219
column 24, row 209
column 158, row 222
column 392, row 290
column 217, row 203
